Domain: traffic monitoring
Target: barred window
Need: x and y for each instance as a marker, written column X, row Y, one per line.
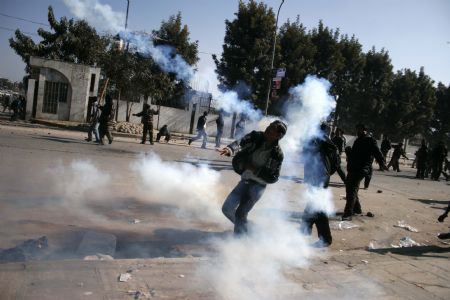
column 54, row 92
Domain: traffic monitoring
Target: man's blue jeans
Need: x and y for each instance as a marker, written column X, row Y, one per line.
column 240, row 201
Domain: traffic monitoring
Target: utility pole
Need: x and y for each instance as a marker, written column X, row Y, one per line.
column 126, row 17
column 273, row 57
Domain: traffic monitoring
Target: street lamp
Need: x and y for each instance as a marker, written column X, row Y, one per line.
column 273, row 57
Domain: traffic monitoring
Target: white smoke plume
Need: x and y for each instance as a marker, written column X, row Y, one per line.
column 310, row 104
column 101, row 16
column 163, row 55
column 77, row 182
column 194, row 190
column 229, row 101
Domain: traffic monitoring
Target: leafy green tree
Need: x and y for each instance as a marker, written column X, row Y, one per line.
column 412, row 103
column 247, row 50
column 347, row 80
column 439, row 124
column 68, row 40
column 297, row 53
column 369, row 102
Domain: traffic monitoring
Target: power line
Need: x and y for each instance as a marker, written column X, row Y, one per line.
column 23, row 19
column 14, row 30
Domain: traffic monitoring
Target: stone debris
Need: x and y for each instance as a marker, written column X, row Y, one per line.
column 342, row 225
column 136, row 221
column 124, row 277
column 28, row 250
column 379, row 191
column 130, row 128
column 365, row 261
column 88, row 293
column 98, row 256
column 181, row 276
column 406, row 242
column 403, row 224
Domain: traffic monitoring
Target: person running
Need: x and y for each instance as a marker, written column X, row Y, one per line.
column 359, row 165
column 398, row 152
column 201, row 130
column 258, row 159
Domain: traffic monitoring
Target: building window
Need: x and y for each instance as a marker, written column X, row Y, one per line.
column 54, row 92
column 91, row 88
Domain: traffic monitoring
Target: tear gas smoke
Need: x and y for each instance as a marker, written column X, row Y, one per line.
column 309, row 105
column 229, row 102
column 164, row 55
column 102, row 16
column 75, row 182
column 194, row 190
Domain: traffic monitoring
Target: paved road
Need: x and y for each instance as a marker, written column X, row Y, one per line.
column 164, row 240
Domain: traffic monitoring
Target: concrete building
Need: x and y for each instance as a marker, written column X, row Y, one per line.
column 60, row 90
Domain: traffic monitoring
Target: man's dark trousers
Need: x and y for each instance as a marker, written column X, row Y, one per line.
column 148, row 128
column 351, row 189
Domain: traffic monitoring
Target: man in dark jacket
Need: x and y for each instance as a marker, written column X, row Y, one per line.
column 398, row 152
column 438, row 155
column 421, row 160
column 201, row 130
column 258, row 160
column 359, row 165
column 385, row 146
column 106, row 120
column 147, row 120
column 319, row 162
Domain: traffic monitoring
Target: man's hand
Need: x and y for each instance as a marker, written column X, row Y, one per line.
column 442, row 217
column 225, row 152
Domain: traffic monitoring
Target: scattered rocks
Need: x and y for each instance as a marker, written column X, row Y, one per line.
column 124, row 277
column 127, row 127
column 379, row 191
column 370, row 214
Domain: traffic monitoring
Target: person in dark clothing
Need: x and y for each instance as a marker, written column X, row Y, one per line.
column 106, row 120
column 220, row 124
column 164, row 131
column 421, row 160
column 258, row 160
column 147, row 120
column 385, row 146
column 201, row 130
column 368, row 176
column 6, row 103
column 359, row 164
column 398, row 152
column 94, row 119
column 318, row 168
column 446, row 171
column 438, row 156
column 15, row 105
column 240, row 128
column 340, row 142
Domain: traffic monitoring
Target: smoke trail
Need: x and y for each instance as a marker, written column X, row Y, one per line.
column 102, row 16
column 163, row 55
column 229, row 102
column 194, row 190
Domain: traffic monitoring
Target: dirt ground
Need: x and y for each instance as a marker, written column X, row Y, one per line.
column 32, row 203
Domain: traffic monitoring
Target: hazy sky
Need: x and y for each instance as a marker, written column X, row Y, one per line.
column 415, row 32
